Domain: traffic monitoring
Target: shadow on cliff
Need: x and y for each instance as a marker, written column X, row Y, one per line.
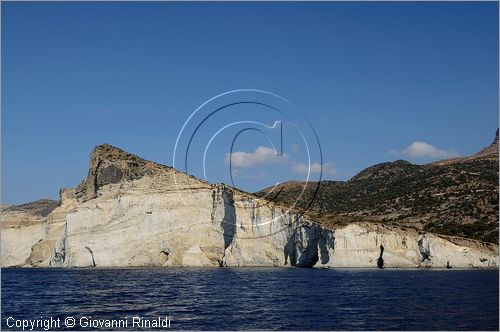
column 228, row 223
column 308, row 245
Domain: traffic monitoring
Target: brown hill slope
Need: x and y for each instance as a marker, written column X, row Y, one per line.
column 457, row 197
column 28, row 213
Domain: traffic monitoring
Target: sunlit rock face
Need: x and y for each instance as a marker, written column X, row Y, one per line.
column 132, row 212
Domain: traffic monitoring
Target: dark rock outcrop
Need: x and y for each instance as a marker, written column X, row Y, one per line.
column 109, row 164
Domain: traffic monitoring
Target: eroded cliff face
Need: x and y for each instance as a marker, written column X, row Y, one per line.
column 131, row 212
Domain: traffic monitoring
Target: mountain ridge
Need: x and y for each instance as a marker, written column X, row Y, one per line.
column 110, row 165
column 128, row 211
column 455, row 197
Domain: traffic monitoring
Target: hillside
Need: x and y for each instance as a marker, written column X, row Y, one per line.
column 28, row 213
column 457, row 197
column 131, row 212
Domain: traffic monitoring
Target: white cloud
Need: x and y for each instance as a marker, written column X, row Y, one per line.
column 419, row 149
column 328, row 169
column 261, row 155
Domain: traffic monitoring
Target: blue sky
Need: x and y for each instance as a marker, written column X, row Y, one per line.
column 378, row 82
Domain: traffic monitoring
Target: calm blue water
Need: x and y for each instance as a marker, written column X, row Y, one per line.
column 229, row 299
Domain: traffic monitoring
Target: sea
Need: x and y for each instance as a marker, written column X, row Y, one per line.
column 249, row 299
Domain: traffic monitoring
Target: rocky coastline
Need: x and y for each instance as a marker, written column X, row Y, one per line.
column 130, row 212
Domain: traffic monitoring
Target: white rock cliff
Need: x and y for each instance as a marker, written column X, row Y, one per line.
column 132, row 212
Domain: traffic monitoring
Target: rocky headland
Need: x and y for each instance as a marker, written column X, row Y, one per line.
column 130, row 212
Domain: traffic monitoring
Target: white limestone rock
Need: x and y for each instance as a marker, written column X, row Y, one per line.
column 131, row 212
